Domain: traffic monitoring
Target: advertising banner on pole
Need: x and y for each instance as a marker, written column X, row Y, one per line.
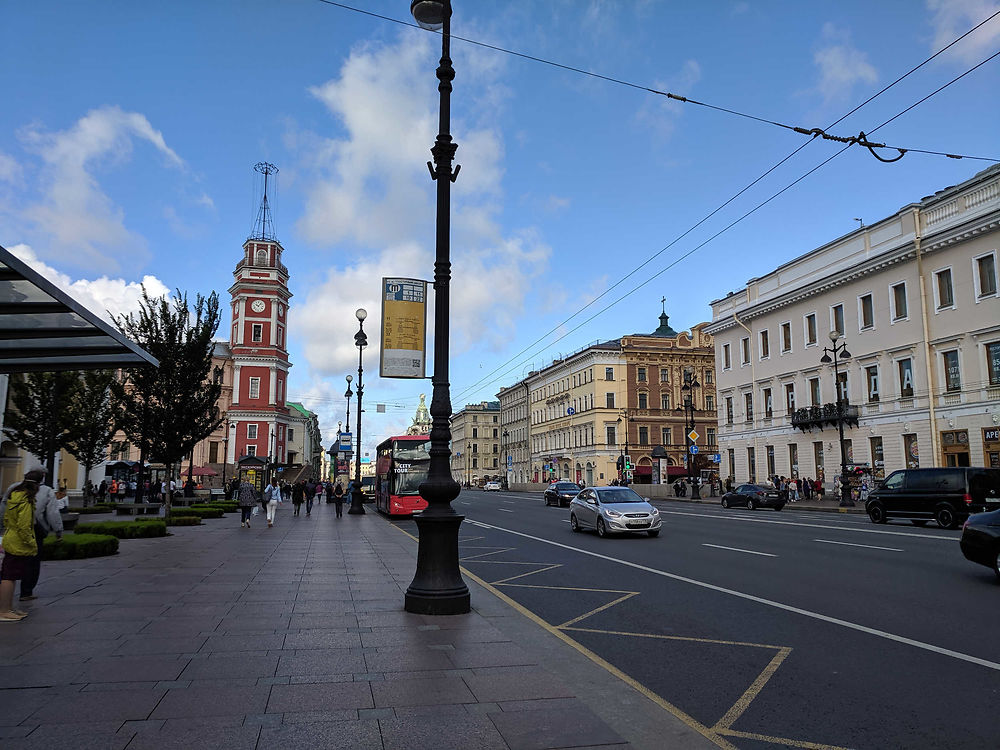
column 404, row 328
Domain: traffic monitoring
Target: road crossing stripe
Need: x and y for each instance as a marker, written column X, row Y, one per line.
column 761, row 600
column 737, row 549
column 866, row 546
column 505, row 510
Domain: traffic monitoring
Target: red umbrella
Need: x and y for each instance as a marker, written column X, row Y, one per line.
column 204, row 471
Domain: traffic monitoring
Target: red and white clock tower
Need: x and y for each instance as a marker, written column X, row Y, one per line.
column 258, row 342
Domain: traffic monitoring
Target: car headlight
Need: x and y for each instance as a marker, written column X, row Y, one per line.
column 612, row 513
column 654, row 512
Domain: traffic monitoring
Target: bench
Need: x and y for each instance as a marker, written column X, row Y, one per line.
column 139, row 509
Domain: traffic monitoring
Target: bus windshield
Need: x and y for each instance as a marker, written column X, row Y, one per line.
column 409, row 467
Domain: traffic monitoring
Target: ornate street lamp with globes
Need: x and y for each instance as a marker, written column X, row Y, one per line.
column 437, row 587
column 839, row 352
column 361, row 341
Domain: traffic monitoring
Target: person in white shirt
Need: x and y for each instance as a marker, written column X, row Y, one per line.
column 272, row 496
column 48, row 520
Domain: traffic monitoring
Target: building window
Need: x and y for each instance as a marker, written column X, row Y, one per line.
column 475, row 462
column 254, row 387
column 768, row 405
column 665, row 374
column 732, row 461
column 810, row 329
column 251, row 450
column 664, row 401
column 748, row 406
column 752, row 464
column 643, row 436
column 837, row 319
column 251, row 432
column 709, row 377
column 899, row 311
column 609, row 373
column 709, row 403
column 786, row 337
column 666, row 438
column 475, row 432
column 790, row 397
column 495, row 450
column 871, row 377
column 793, row 459
column 814, row 394
column 727, row 362
column 291, row 434
column 475, row 447
column 729, row 410
column 986, row 275
column 610, row 436
column 257, row 332
column 843, row 392
column 609, row 399
column 905, row 378
column 643, row 400
column 496, row 432
column 765, row 345
column 818, row 457
column 213, row 452
column 640, row 374
column 495, row 464
column 866, row 311
column 993, row 362
column 710, row 436
column 769, row 452
column 942, row 289
column 745, row 350
column 952, row 374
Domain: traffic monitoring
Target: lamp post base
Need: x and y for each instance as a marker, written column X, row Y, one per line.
column 438, row 588
column 357, row 504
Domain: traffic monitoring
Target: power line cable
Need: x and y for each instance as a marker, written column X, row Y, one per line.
column 860, row 140
column 714, row 236
column 737, row 195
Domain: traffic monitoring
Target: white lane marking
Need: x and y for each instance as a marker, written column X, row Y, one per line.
column 565, row 520
column 505, row 510
column 866, row 546
column 737, row 549
column 811, row 525
column 509, row 501
column 760, row 600
column 465, row 503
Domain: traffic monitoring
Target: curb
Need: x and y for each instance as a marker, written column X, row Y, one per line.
column 799, row 505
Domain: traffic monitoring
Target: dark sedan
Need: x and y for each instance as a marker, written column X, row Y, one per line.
column 560, row 493
column 981, row 539
column 752, row 496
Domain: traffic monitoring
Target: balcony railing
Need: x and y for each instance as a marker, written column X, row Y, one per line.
column 828, row 414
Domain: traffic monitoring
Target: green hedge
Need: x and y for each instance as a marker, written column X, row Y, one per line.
column 78, row 546
column 99, row 508
column 125, row 529
column 201, row 512
column 183, row 521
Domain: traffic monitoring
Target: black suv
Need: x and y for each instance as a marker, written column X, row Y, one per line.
column 946, row 495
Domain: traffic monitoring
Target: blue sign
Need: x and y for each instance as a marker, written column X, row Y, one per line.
column 510, row 461
column 571, row 411
column 346, row 441
column 717, row 458
column 693, row 449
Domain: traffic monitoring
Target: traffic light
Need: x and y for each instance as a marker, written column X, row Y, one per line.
column 628, row 463
column 620, row 463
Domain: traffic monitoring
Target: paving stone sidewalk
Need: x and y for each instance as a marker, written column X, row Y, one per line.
column 293, row 637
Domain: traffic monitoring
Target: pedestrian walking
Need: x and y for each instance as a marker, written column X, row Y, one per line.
column 19, row 540
column 338, row 499
column 246, row 496
column 47, row 519
column 298, row 495
column 313, row 490
column 272, row 496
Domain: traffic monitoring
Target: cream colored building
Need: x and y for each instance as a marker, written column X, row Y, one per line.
column 514, row 432
column 914, row 296
column 475, row 442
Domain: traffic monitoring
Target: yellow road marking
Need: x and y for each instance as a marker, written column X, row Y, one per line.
column 496, row 551
column 678, row 638
column 584, row 616
column 564, row 588
column 781, row 740
column 529, row 573
column 744, row 701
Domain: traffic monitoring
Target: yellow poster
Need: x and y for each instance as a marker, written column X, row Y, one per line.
column 404, row 328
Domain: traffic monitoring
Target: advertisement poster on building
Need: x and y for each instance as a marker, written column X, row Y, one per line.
column 404, row 328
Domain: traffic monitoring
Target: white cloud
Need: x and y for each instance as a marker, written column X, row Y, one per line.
column 102, row 295
column 661, row 113
column 10, row 170
column 841, row 65
column 952, row 18
column 370, row 192
column 86, row 226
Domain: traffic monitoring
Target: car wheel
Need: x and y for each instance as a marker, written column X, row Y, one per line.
column 750, row 504
column 779, row 507
column 601, row 530
column 573, row 523
column 945, row 517
column 547, row 503
column 656, row 532
column 919, row 523
column 876, row 513
column 725, row 502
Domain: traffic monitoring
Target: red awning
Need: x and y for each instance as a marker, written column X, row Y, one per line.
column 644, row 471
column 676, row 471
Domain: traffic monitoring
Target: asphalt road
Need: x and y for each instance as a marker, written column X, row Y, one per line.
column 764, row 629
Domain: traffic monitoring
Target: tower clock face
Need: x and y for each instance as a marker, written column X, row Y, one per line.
column 257, row 305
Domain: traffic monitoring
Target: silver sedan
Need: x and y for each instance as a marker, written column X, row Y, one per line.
column 613, row 510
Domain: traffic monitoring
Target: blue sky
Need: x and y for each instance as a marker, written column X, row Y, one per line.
column 130, row 131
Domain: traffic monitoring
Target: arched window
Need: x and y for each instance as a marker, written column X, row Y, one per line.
column 261, row 257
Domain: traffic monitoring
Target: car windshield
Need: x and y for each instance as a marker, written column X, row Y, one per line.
column 566, row 487
column 618, row 495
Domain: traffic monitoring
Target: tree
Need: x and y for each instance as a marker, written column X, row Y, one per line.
column 91, row 422
column 166, row 411
column 40, row 418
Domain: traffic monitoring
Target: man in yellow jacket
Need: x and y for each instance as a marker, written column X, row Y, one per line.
column 19, row 542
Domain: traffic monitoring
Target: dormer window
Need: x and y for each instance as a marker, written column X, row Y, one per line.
column 261, row 257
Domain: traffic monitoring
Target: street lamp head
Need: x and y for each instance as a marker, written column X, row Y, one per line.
column 361, row 313
column 834, row 335
column 429, row 14
column 844, row 354
column 360, row 340
column 825, row 359
column 349, row 379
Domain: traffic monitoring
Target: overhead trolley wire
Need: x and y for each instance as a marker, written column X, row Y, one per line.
column 860, row 140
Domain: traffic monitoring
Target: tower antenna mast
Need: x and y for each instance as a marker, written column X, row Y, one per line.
column 263, row 227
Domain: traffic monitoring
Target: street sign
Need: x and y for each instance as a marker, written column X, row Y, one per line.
column 693, row 437
column 403, row 341
column 693, row 449
column 628, row 475
column 571, row 411
column 346, row 441
column 510, row 461
column 716, row 458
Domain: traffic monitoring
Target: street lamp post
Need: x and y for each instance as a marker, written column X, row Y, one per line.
column 437, row 587
column 361, row 341
column 505, row 435
column 225, row 456
column 624, row 477
column 687, row 406
column 839, row 352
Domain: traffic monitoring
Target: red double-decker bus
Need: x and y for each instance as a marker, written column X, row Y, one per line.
column 401, row 464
